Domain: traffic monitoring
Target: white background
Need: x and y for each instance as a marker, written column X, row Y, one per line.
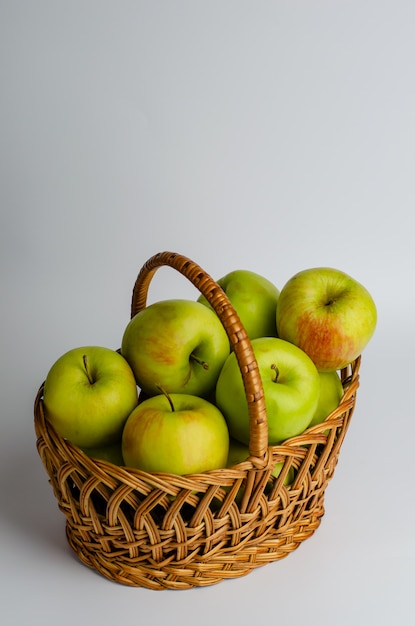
column 267, row 135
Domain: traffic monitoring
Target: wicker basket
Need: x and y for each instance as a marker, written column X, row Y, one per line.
column 164, row 531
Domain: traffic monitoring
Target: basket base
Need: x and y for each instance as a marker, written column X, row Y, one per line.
column 196, row 570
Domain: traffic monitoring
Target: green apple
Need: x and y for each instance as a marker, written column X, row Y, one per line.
column 88, row 394
column 239, row 452
column 179, row 345
column 328, row 314
column 331, row 392
column 111, row 453
column 254, row 298
column 175, row 433
column 291, row 390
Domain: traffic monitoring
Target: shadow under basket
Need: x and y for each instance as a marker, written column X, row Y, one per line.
column 164, row 531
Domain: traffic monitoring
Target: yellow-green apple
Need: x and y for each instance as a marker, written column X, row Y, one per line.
column 111, row 453
column 175, row 433
column 291, row 389
column 328, row 314
column 179, row 345
column 88, row 394
column 239, row 452
column 331, row 392
column 254, row 298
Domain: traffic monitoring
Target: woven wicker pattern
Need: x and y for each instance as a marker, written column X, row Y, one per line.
column 164, row 531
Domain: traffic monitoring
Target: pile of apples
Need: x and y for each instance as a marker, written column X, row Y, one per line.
column 172, row 398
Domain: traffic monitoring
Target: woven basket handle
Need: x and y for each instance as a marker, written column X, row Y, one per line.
column 258, row 441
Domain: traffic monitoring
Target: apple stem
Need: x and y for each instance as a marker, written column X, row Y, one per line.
column 197, row 360
column 275, row 373
column 88, row 373
column 164, row 392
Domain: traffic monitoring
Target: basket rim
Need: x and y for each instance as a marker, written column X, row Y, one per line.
column 350, row 381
